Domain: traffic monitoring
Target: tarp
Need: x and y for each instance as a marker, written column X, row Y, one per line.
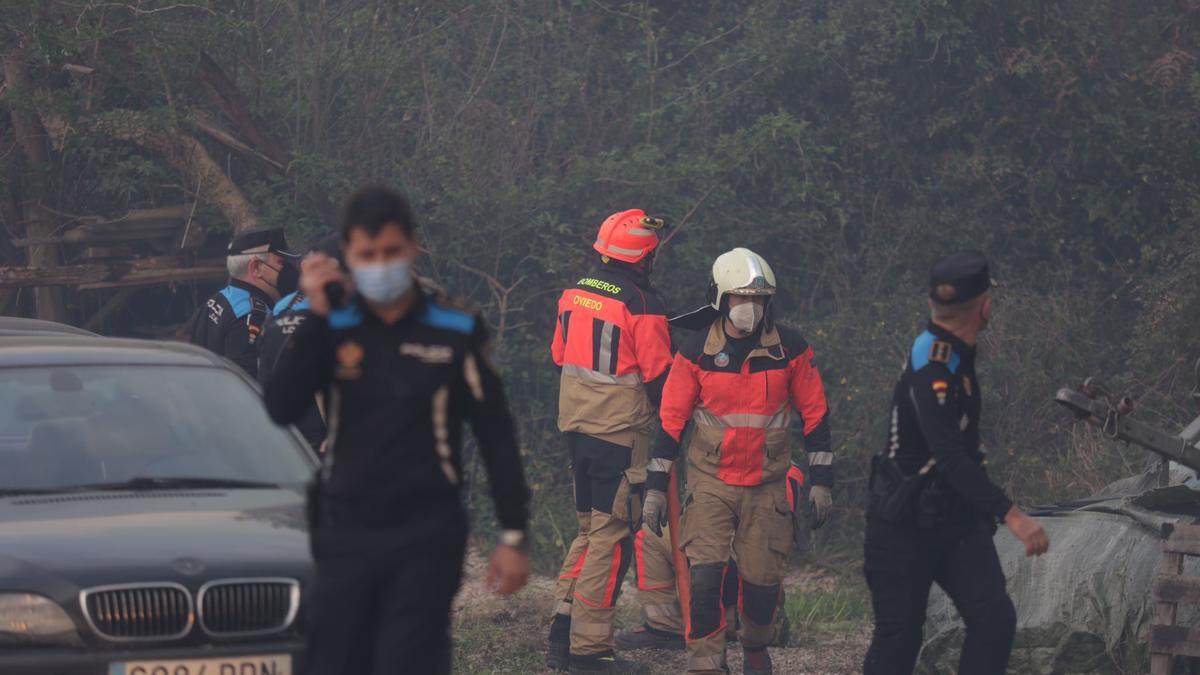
column 1086, row 606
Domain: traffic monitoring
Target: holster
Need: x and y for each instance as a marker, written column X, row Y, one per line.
column 892, row 496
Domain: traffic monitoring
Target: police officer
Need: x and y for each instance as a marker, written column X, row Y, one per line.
column 287, row 315
column 739, row 382
column 260, row 273
column 401, row 371
column 613, row 347
column 932, row 510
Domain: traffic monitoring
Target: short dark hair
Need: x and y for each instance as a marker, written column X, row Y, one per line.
column 372, row 208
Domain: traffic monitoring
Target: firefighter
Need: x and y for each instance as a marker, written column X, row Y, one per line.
column 739, row 382
column 260, row 273
column 932, row 511
column 654, row 564
column 401, row 371
column 613, row 347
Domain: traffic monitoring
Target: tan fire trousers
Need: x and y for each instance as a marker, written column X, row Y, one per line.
column 753, row 526
column 602, row 551
column 654, row 565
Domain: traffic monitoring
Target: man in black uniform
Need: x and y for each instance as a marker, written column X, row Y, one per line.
column 401, row 371
column 286, row 316
column 260, row 273
column 932, row 510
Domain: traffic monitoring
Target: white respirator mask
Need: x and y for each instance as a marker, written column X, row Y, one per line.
column 746, row 316
column 383, row 283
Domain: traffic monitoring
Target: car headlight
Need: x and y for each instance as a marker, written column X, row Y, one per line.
column 26, row 617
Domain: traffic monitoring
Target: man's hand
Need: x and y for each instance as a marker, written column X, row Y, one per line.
column 1028, row 530
column 654, row 510
column 508, row 571
column 820, row 503
column 317, row 271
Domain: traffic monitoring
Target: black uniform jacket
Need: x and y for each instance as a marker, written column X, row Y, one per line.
column 288, row 314
column 935, row 416
column 397, row 398
column 231, row 322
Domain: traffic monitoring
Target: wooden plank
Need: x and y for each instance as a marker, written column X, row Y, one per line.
column 148, row 277
column 1174, row 641
column 1183, row 539
column 1177, row 589
column 1164, row 613
column 110, row 274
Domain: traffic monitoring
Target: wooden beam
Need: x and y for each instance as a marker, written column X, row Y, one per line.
column 1173, row 641
column 1184, row 538
column 113, row 274
column 1161, row 654
column 224, row 93
column 1177, row 589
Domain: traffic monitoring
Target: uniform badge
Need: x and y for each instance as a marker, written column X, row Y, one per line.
column 940, row 352
column 721, row 360
column 967, row 385
column 940, row 387
column 349, row 356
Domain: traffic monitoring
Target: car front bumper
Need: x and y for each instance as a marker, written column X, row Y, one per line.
column 52, row 661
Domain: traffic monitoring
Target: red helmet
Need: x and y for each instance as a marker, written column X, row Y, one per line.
column 628, row 236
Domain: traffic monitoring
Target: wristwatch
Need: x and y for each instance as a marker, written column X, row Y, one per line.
column 515, row 539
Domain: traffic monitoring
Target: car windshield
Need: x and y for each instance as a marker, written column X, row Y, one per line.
column 145, row 426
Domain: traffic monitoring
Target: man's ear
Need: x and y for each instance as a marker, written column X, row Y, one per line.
column 985, row 310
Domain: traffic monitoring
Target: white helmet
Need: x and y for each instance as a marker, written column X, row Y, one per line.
column 740, row 272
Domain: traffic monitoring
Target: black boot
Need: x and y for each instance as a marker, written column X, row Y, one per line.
column 649, row 638
column 593, row 664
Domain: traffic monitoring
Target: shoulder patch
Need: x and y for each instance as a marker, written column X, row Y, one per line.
column 238, row 299
column 439, row 316
column 345, row 317
column 284, row 303
column 928, row 348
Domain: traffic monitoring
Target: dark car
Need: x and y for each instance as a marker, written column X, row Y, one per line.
column 12, row 326
column 151, row 515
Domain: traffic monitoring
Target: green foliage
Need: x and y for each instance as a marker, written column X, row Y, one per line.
column 851, row 142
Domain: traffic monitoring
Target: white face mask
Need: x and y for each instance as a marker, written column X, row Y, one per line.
column 746, row 316
column 383, row 283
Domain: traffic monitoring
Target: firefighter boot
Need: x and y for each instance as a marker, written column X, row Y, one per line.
column 758, row 662
column 647, row 637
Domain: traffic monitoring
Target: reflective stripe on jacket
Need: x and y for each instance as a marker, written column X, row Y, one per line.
column 742, row 409
column 612, row 343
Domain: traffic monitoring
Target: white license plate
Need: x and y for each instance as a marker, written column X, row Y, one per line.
column 274, row 664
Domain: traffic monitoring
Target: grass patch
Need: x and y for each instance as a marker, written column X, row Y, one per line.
column 497, row 644
column 842, row 609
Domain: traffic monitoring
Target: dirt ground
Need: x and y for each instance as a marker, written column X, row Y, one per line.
column 494, row 635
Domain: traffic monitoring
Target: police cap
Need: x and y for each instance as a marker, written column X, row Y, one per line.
column 959, row 277
column 260, row 240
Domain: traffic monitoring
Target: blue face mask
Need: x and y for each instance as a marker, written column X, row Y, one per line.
column 383, row 283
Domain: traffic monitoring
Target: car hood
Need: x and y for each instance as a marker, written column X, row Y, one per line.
column 58, row 544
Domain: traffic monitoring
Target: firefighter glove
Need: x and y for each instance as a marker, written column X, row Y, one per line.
column 654, row 510
column 820, row 503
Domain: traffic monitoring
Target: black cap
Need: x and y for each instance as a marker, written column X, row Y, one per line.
column 261, row 240
column 959, row 277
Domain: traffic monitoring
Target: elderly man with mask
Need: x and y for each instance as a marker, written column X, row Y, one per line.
column 739, row 382
column 260, row 273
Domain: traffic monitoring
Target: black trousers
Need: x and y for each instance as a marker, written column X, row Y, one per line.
column 385, row 610
column 903, row 562
column 598, row 467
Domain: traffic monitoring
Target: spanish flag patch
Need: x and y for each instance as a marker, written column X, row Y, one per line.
column 940, row 387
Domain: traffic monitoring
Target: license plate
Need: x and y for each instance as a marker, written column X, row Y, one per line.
column 275, row 664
